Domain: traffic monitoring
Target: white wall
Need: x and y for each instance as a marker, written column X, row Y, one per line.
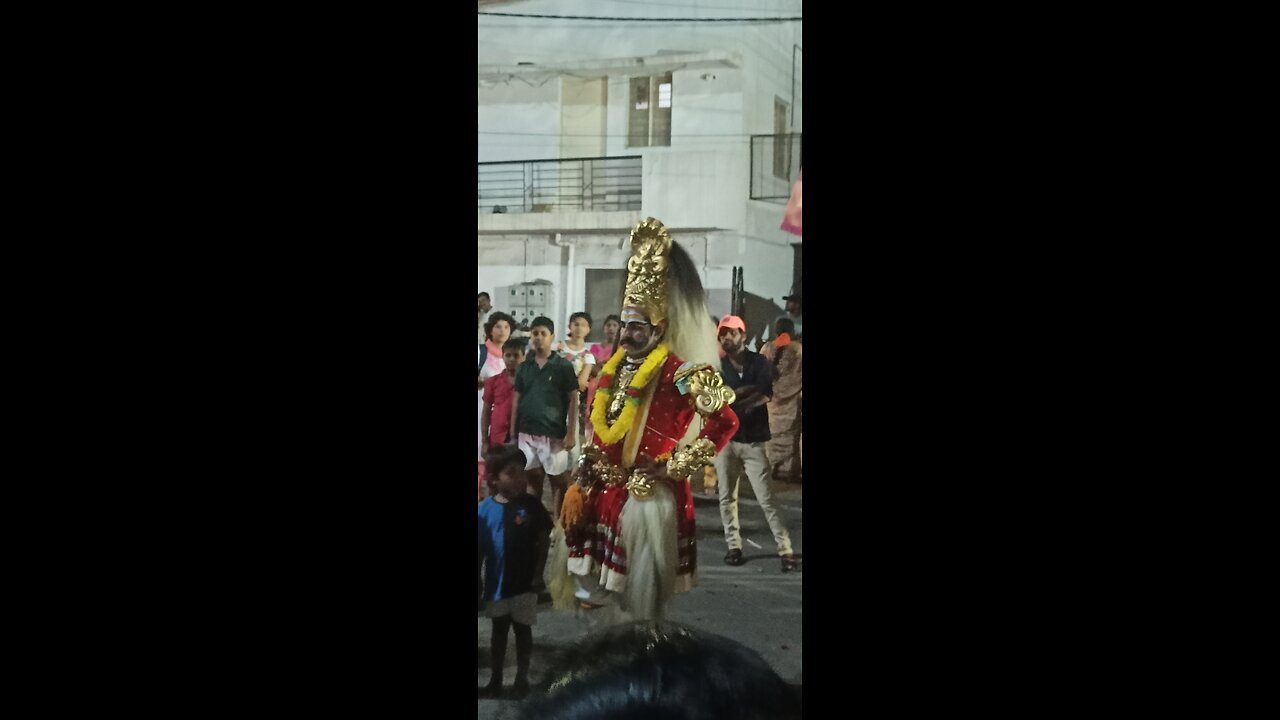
column 698, row 181
column 550, row 223
column 767, row 65
column 737, row 103
column 531, row 116
column 695, row 189
column 495, row 276
column 513, row 260
column 509, row 40
column 764, row 223
column 766, row 265
column 767, row 69
column 582, row 116
column 706, row 114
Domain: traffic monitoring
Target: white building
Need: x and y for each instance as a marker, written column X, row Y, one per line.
column 586, row 127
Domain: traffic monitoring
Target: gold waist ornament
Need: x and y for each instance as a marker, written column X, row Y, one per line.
column 597, row 470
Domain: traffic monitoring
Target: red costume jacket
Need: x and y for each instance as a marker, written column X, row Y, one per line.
column 596, row 533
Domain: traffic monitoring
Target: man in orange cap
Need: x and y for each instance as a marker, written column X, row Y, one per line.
column 750, row 376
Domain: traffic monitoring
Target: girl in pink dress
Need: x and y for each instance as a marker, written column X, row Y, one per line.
column 603, row 351
column 497, row 331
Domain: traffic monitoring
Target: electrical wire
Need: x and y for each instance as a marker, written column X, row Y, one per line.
column 688, row 135
column 651, row 3
column 644, row 19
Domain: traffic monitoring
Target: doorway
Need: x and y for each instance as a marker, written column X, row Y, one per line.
column 604, row 288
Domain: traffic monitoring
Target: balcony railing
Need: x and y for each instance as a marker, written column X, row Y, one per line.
column 775, row 165
column 574, row 184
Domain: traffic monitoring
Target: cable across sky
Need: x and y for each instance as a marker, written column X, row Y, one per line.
column 645, row 19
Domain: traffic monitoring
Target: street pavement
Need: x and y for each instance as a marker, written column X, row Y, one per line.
column 756, row 604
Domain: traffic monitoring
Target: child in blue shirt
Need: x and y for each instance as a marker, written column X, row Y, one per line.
column 514, row 535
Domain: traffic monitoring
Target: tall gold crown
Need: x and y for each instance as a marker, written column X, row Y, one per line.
column 647, row 269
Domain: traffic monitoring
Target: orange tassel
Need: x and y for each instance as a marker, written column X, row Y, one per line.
column 571, row 510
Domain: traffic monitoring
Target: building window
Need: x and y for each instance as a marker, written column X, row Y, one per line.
column 781, row 141
column 649, row 115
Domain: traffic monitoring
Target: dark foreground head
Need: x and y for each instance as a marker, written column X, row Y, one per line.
column 661, row 671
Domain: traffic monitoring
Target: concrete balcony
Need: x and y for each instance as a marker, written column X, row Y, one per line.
column 568, row 195
column 775, row 165
column 600, row 184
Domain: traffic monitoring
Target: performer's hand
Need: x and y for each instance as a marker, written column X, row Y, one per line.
column 646, row 465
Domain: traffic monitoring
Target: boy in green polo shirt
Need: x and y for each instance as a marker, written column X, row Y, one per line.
column 544, row 412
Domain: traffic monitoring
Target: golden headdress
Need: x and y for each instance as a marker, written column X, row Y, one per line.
column 647, row 269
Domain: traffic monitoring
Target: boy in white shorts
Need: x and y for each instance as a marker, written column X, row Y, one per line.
column 544, row 412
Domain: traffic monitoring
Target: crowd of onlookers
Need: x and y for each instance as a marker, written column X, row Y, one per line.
column 501, row 354
column 504, row 346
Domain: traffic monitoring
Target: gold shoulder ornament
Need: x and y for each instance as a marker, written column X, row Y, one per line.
column 705, row 387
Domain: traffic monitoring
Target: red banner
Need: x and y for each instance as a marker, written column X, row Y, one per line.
column 791, row 218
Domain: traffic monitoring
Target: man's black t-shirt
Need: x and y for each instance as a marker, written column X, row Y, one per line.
column 753, row 425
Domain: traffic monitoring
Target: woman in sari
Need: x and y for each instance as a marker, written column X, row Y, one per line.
column 786, row 413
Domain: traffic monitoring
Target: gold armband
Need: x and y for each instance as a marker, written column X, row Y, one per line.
column 691, row 457
column 595, row 467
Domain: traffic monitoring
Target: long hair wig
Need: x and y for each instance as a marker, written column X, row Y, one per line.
column 689, row 336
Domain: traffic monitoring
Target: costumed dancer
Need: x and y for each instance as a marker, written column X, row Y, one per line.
column 660, row 412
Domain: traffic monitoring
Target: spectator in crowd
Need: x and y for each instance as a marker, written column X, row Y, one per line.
column 605, row 350
column 514, row 536
column 497, row 331
column 794, row 307
column 575, row 350
column 786, row 416
column 521, row 333
column 499, row 392
column 544, row 412
column 751, row 378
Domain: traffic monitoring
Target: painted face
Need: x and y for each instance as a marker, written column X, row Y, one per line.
column 638, row 336
column 500, row 332
column 731, row 339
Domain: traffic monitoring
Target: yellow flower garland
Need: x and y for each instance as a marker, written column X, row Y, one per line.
column 607, row 434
